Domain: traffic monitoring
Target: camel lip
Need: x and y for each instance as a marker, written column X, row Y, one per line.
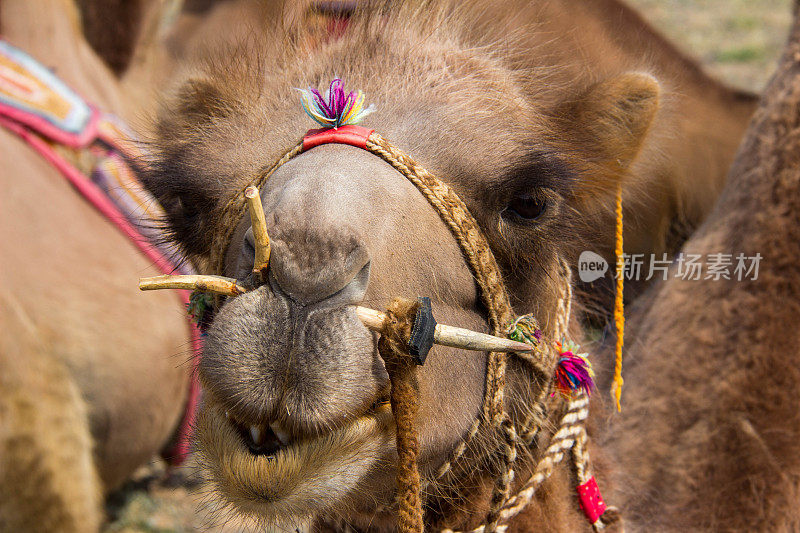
column 312, row 474
column 267, row 438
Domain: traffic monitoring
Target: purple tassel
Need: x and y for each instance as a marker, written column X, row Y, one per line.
column 336, row 108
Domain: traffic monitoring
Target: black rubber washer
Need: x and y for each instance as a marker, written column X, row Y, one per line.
column 421, row 340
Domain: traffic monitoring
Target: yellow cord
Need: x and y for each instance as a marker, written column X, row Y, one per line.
column 619, row 305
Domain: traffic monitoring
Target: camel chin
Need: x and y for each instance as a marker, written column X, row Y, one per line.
column 301, row 479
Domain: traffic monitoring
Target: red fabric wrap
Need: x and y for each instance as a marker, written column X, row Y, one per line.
column 591, row 501
column 352, row 135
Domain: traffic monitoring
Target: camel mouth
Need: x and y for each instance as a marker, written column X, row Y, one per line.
column 266, row 472
column 264, row 438
column 268, row 438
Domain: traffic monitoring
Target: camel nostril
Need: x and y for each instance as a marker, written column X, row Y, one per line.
column 248, row 253
column 353, row 292
column 312, row 268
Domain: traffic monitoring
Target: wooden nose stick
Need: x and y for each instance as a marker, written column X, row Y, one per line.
column 260, row 236
column 372, row 319
column 451, row 336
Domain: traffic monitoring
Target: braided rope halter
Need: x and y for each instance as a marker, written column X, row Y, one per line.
column 570, row 439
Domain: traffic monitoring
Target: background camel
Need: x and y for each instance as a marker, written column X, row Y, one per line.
column 85, row 398
column 708, row 438
column 568, row 121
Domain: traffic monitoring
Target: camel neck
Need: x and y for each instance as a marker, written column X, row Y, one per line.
column 50, row 31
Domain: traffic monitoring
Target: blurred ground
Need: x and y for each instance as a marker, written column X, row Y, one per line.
column 157, row 500
column 737, row 40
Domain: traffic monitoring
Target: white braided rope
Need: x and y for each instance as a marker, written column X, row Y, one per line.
column 502, row 487
column 581, row 457
column 533, row 423
column 459, row 450
column 570, row 430
column 564, row 303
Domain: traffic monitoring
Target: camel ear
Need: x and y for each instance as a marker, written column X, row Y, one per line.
column 611, row 119
column 199, row 100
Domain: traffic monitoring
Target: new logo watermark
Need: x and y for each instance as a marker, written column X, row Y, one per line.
column 591, row 266
column 715, row 266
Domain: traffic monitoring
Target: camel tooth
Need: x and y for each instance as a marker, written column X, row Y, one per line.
column 255, row 434
column 282, row 435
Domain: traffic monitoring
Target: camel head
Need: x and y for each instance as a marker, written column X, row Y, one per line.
column 295, row 422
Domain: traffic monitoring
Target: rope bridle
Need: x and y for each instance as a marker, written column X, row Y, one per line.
column 570, row 437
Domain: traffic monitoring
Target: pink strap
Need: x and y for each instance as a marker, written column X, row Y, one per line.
column 176, row 454
column 43, row 126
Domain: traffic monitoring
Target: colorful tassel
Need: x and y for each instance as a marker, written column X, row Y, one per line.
column 574, row 371
column 336, row 108
column 200, row 308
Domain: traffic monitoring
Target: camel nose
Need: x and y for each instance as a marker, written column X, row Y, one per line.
column 311, row 266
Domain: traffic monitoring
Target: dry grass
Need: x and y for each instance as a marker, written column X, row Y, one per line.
column 737, row 40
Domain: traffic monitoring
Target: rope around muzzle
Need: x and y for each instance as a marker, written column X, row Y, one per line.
column 393, row 343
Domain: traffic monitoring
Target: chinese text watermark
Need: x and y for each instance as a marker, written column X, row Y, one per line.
column 685, row 266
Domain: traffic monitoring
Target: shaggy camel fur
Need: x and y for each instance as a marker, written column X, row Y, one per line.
column 709, row 439
column 534, row 114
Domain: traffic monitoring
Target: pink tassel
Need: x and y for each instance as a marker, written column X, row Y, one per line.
column 574, row 371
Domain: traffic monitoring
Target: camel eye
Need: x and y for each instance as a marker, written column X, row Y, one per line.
column 525, row 207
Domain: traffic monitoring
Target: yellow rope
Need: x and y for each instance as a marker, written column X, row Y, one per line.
column 619, row 305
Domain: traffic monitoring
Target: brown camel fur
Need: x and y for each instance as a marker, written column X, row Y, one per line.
column 534, row 114
column 709, row 439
